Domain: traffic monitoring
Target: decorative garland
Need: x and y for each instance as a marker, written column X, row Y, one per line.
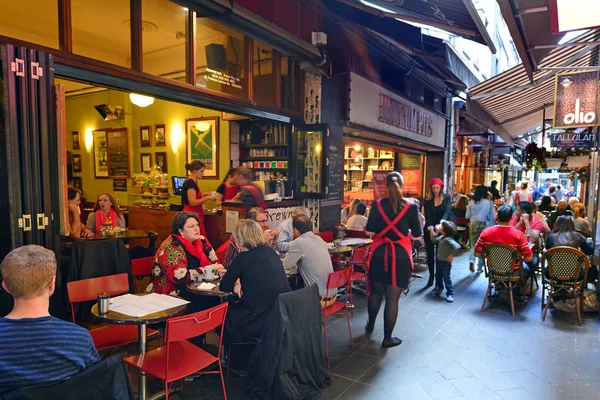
column 581, row 173
column 536, row 156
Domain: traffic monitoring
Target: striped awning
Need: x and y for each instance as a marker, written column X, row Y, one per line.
column 517, row 104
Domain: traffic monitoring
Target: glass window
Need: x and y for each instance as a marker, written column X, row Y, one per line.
column 34, row 21
column 101, row 30
column 264, row 78
column 290, row 84
column 220, row 58
column 163, row 39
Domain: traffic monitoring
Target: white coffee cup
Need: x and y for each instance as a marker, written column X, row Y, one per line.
column 209, row 272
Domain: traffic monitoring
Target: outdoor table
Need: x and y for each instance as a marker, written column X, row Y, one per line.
column 115, row 318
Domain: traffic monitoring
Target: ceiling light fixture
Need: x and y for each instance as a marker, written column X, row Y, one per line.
column 141, row 100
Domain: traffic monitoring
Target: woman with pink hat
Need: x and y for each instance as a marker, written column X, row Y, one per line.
column 438, row 208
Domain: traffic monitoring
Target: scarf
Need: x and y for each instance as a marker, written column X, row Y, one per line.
column 101, row 220
column 196, row 249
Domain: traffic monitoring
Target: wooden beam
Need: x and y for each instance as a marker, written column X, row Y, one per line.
column 135, row 16
column 65, row 37
column 190, row 48
column 249, row 65
column 513, row 28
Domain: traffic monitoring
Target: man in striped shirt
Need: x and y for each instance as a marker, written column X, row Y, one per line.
column 503, row 233
column 37, row 349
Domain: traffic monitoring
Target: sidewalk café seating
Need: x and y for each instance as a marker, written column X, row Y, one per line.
column 567, row 270
column 360, row 268
column 500, row 260
column 338, row 279
column 87, row 290
column 179, row 358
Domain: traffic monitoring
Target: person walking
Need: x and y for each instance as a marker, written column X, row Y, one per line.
column 437, row 208
column 480, row 214
column 394, row 222
column 446, row 250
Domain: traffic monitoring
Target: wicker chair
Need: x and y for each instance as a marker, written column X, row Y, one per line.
column 499, row 264
column 565, row 276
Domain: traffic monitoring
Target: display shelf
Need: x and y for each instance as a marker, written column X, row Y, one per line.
column 262, row 146
column 271, row 169
column 264, row 159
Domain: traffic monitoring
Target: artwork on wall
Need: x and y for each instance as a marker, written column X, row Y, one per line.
column 100, row 155
column 160, row 135
column 75, row 137
column 161, row 161
column 202, row 143
column 77, row 183
column 146, row 161
column 145, row 136
column 76, row 162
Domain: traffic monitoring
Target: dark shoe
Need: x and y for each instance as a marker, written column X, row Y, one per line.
column 391, row 342
column 429, row 283
column 437, row 291
column 472, row 266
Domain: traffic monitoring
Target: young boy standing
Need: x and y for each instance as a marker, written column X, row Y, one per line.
column 446, row 249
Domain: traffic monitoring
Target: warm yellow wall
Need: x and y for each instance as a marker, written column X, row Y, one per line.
column 82, row 116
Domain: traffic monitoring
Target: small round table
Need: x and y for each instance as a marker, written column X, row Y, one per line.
column 193, row 288
column 115, row 318
column 339, row 250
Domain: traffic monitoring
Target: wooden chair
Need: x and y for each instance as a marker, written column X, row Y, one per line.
column 179, row 358
column 567, row 275
column 500, row 260
column 336, row 280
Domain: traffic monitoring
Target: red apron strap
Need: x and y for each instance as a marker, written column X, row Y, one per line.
column 392, row 224
column 257, row 196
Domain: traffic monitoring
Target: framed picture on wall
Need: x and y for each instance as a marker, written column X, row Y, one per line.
column 145, row 136
column 75, row 137
column 161, row 161
column 160, row 135
column 100, row 154
column 77, row 183
column 202, row 143
column 146, row 161
column 76, row 162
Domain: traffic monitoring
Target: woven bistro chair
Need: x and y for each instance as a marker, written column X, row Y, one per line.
column 567, row 275
column 500, row 260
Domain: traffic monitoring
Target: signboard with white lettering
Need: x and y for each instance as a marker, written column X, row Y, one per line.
column 374, row 107
column 277, row 215
column 576, row 100
column 569, row 140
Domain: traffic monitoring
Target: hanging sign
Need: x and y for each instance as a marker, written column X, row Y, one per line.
column 379, row 187
column 576, row 100
column 569, row 140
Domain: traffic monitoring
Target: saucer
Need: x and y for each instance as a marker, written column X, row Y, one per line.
column 214, row 278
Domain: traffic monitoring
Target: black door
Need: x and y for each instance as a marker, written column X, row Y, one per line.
column 28, row 151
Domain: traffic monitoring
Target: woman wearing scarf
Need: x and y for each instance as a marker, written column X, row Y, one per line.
column 106, row 213
column 182, row 257
column 438, row 208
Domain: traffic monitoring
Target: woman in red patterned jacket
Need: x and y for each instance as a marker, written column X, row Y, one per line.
column 182, row 256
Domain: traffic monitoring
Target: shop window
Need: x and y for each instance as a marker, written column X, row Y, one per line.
column 101, row 30
column 290, row 84
column 34, row 21
column 220, row 58
column 263, row 76
column 163, row 39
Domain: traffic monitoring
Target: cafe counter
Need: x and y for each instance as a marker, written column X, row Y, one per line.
column 218, row 224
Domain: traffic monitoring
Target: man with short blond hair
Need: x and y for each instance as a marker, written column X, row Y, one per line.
column 37, row 349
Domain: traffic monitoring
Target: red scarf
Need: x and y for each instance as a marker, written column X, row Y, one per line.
column 196, row 249
column 101, row 219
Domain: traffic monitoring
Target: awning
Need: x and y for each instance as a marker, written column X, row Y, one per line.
column 517, row 104
column 455, row 16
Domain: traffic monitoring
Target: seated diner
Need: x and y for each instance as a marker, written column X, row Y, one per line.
column 106, row 215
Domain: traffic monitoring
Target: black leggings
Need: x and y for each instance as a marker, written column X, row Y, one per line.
column 430, row 256
column 390, row 313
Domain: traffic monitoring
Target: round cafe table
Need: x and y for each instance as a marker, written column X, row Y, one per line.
column 339, row 250
column 115, row 318
column 194, row 288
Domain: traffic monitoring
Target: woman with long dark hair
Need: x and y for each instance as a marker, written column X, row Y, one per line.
column 228, row 189
column 546, row 204
column 191, row 196
column 395, row 223
column 480, row 214
column 437, row 207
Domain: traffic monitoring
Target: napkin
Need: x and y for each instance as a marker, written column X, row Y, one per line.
column 206, row 286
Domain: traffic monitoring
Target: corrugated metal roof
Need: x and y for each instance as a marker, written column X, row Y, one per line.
column 517, row 104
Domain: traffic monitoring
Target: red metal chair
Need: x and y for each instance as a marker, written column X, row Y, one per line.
column 179, row 357
column 360, row 259
column 222, row 251
column 88, row 290
column 356, row 234
column 327, row 236
column 335, row 281
column 142, row 266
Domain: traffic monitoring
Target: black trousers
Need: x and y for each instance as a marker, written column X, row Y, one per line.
column 430, row 255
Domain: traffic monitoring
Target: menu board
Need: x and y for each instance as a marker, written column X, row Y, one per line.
column 412, row 174
column 333, row 172
column 119, row 185
column 118, row 153
column 379, row 184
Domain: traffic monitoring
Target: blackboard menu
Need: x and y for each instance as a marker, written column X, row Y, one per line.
column 334, row 172
column 119, row 185
column 118, row 153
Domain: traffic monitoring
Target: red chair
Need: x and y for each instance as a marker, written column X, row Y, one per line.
column 462, row 230
column 88, row 290
column 327, row 236
column 222, row 251
column 356, row 234
column 360, row 259
column 179, row 357
column 335, row 281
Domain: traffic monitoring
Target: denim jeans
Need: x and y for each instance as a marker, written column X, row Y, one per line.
column 476, row 227
column 442, row 277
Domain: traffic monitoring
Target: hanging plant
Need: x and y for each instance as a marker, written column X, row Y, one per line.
column 581, row 173
column 564, row 153
column 535, row 157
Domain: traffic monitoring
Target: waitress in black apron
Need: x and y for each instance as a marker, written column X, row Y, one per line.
column 395, row 223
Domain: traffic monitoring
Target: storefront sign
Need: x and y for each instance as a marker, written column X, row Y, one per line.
column 379, row 187
column 576, row 100
column 223, row 79
column 374, row 107
column 412, row 182
column 567, row 140
column 277, row 215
